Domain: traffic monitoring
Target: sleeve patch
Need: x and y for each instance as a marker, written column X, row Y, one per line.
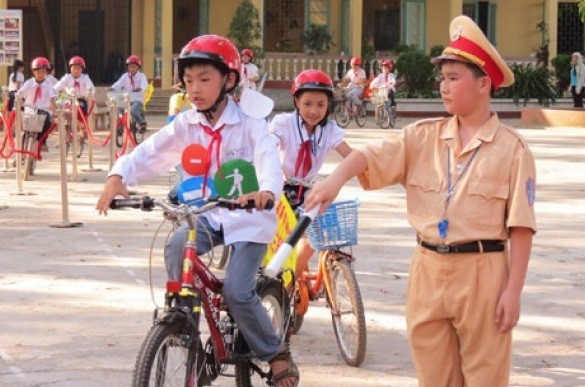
column 530, row 191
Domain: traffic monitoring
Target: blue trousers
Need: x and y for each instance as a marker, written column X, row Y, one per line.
column 137, row 111
column 238, row 287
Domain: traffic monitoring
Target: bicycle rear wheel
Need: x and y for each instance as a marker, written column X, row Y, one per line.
column 383, row 117
column 171, row 355
column 341, row 114
column 275, row 301
column 360, row 116
column 120, row 135
column 347, row 312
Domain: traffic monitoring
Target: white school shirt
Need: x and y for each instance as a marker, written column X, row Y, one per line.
column 381, row 81
column 28, row 91
column 19, row 79
column 355, row 77
column 67, row 82
column 124, row 83
column 243, row 137
column 289, row 132
column 247, row 73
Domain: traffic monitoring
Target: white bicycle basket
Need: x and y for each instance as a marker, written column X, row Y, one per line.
column 33, row 122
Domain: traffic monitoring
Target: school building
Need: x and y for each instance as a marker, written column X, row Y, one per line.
column 105, row 32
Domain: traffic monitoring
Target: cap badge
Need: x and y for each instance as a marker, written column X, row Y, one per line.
column 458, row 31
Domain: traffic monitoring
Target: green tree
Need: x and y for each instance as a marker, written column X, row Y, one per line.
column 245, row 28
column 582, row 10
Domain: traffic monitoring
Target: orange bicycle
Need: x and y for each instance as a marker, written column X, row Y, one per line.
column 332, row 234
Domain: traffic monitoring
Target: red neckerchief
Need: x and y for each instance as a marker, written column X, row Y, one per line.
column 304, row 162
column 215, row 139
column 76, row 83
column 37, row 93
column 131, row 81
column 386, row 78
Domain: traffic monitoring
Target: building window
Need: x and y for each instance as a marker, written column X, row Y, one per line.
column 570, row 29
column 484, row 14
column 381, row 24
column 413, row 23
column 284, row 23
column 317, row 12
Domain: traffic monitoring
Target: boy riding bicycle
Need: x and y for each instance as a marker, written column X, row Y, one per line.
column 135, row 83
column 209, row 68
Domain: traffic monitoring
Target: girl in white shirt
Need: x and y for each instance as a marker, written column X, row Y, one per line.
column 39, row 96
column 15, row 81
column 304, row 138
column 386, row 80
column 76, row 81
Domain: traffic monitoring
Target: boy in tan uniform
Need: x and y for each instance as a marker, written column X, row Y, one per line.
column 470, row 184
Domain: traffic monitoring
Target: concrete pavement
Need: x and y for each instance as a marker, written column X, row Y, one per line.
column 76, row 302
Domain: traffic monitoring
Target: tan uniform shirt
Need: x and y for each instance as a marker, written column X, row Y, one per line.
column 496, row 191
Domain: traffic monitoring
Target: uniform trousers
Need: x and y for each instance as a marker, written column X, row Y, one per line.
column 238, row 285
column 450, row 318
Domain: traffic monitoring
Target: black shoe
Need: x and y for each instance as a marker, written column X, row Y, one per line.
column 142, row 127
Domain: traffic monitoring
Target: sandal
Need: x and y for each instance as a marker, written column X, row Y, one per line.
column 291, row 371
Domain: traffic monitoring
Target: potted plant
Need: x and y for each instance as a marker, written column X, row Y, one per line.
column 317, row 39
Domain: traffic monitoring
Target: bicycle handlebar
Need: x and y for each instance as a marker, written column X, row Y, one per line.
column 146, row 203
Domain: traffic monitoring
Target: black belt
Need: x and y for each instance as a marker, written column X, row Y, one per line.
column 483, row 246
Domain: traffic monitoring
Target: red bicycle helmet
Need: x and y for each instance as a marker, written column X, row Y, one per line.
column 312, row 79
column 40, row 63
column 387, row 63
column 77, row 60
column 134, row 59
column 356, row 61
column 213, row 49
column 249, row 52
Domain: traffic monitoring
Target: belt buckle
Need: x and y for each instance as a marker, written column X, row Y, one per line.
column 442, row 249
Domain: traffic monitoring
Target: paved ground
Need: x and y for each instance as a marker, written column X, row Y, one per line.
column 76, row 302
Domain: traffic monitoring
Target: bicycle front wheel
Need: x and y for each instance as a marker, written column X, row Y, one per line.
column 171, row 355
column 360, row 115
column 383, row 117
column 341, row 114
column 347, row 312
column 30, row 162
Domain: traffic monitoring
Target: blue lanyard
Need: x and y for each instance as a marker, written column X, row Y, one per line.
column 451, row 188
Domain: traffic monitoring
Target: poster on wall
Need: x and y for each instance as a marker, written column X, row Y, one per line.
column 10, row 36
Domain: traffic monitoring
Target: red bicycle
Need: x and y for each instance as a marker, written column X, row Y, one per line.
column 173, row 353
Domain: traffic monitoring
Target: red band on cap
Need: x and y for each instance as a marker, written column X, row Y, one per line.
column 490, row 67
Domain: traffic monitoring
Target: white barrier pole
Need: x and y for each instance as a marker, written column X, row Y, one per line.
column 18, row 137
column 112, row 104
column 65, row 223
